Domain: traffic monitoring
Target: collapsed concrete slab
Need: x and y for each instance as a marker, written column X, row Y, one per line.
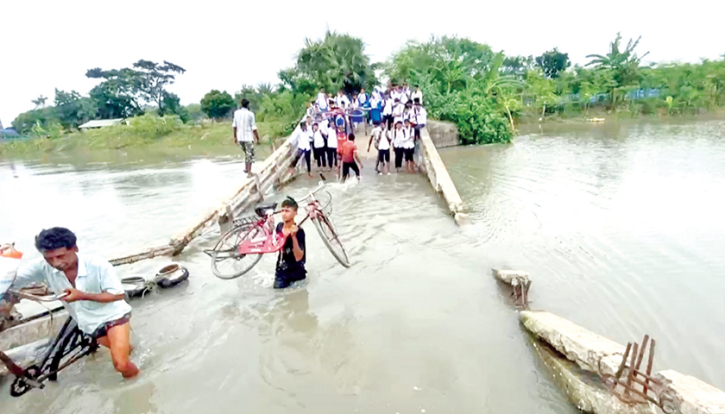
column 26, row 355
column 692, row 396
column 32, row 331
column 584, row 390
column 512, row 277
column 588, row 350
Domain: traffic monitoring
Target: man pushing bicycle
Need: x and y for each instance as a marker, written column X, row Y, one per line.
column 93, row 294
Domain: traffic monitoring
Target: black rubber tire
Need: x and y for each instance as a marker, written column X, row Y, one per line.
column 331, row 239
column 140, row 283
column 228, row 244
column 167, row 283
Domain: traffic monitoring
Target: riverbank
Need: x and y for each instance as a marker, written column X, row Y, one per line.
column 156, row 135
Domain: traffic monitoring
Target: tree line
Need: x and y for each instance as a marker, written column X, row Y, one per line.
column 485, row 93
column 120, row 93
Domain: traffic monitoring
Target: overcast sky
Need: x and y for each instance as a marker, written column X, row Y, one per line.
column 223, row 44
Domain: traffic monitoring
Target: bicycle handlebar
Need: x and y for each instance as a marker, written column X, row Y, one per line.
column 51, row 298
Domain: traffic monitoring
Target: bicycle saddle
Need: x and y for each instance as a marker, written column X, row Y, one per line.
column 265, row 208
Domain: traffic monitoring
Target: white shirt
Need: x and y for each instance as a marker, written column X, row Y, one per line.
column 95, row 275
column 361, row 99
column 398, row 112
column 245, row 125
column 302, row 139
column 331, row 136
column 388, row 108
column 382, row 139
column 399, row 138
column 318, row 139
column 342, row 101
column 421, row 115
column 409, row 141
column 417, row 94
column 322, row 101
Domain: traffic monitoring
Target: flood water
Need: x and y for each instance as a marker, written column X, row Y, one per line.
column 619, row 226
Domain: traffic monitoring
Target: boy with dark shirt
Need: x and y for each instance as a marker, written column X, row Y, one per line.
column 291, row 259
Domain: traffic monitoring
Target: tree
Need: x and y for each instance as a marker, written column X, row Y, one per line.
column 154, row 77
column 624, row 65
column 122, row 91
column 39, row 102
column 217, row 104
column 338, row 61
column 552, row 62
column 117, row 95
column 517, row 65
column 72, row 109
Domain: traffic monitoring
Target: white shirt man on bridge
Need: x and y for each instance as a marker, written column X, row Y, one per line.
column 245, row 133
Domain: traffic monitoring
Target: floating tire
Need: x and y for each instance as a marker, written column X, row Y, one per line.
column 134, row 286
column 171, row 275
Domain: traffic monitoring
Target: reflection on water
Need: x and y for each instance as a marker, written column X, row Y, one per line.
column 619, row 227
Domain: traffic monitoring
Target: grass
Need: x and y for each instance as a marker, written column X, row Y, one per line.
column 146, row 133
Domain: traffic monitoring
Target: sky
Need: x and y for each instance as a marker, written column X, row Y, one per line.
column 48, row 44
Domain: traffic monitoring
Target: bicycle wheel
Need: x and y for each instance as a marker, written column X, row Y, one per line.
column 226, row 262
column 332, row 240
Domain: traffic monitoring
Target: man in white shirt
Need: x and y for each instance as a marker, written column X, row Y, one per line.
column 417, row 94
column 95, row 298
column 322, row 104
column 245, row 133
column 341, row 100
column 302, row 139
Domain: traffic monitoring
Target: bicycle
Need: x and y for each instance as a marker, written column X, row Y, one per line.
column 69, row 346
column 242, row 247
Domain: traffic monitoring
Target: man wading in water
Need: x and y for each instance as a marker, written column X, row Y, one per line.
column 291, row 259
column 95, row 298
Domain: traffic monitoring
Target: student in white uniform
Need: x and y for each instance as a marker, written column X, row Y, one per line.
column 322, row 102
column 341, row 100
column 398, row 110
column 388, row 112
column 417, row 94
column 408, row 145
column 331, row 145
column 381, row 139
column 302, row 139
column 319, row 147
column 398, row 139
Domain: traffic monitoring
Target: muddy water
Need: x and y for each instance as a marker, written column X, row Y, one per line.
column 416, row 324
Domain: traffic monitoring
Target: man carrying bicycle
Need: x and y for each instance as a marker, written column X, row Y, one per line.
column 94, row 297
column 291, row 259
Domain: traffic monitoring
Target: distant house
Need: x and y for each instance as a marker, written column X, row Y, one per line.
column 9, row 133
column 102, row 123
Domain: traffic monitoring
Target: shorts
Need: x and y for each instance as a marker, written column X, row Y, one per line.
column 102, row 330
column 408, row 153
column 283, row 279
column 347, row 166
column 384, row 156
column 248, row 148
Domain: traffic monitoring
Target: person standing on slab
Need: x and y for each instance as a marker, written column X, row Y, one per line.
column 245, row 133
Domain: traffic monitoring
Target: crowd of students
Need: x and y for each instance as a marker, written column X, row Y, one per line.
column 396, row 113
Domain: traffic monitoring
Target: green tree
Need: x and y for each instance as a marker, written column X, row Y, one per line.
column 553, row 62
column 153, row 80
column 623, row 64
column 72, row 109
column 39, row 102
column 338, row 61
column 217, row 104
